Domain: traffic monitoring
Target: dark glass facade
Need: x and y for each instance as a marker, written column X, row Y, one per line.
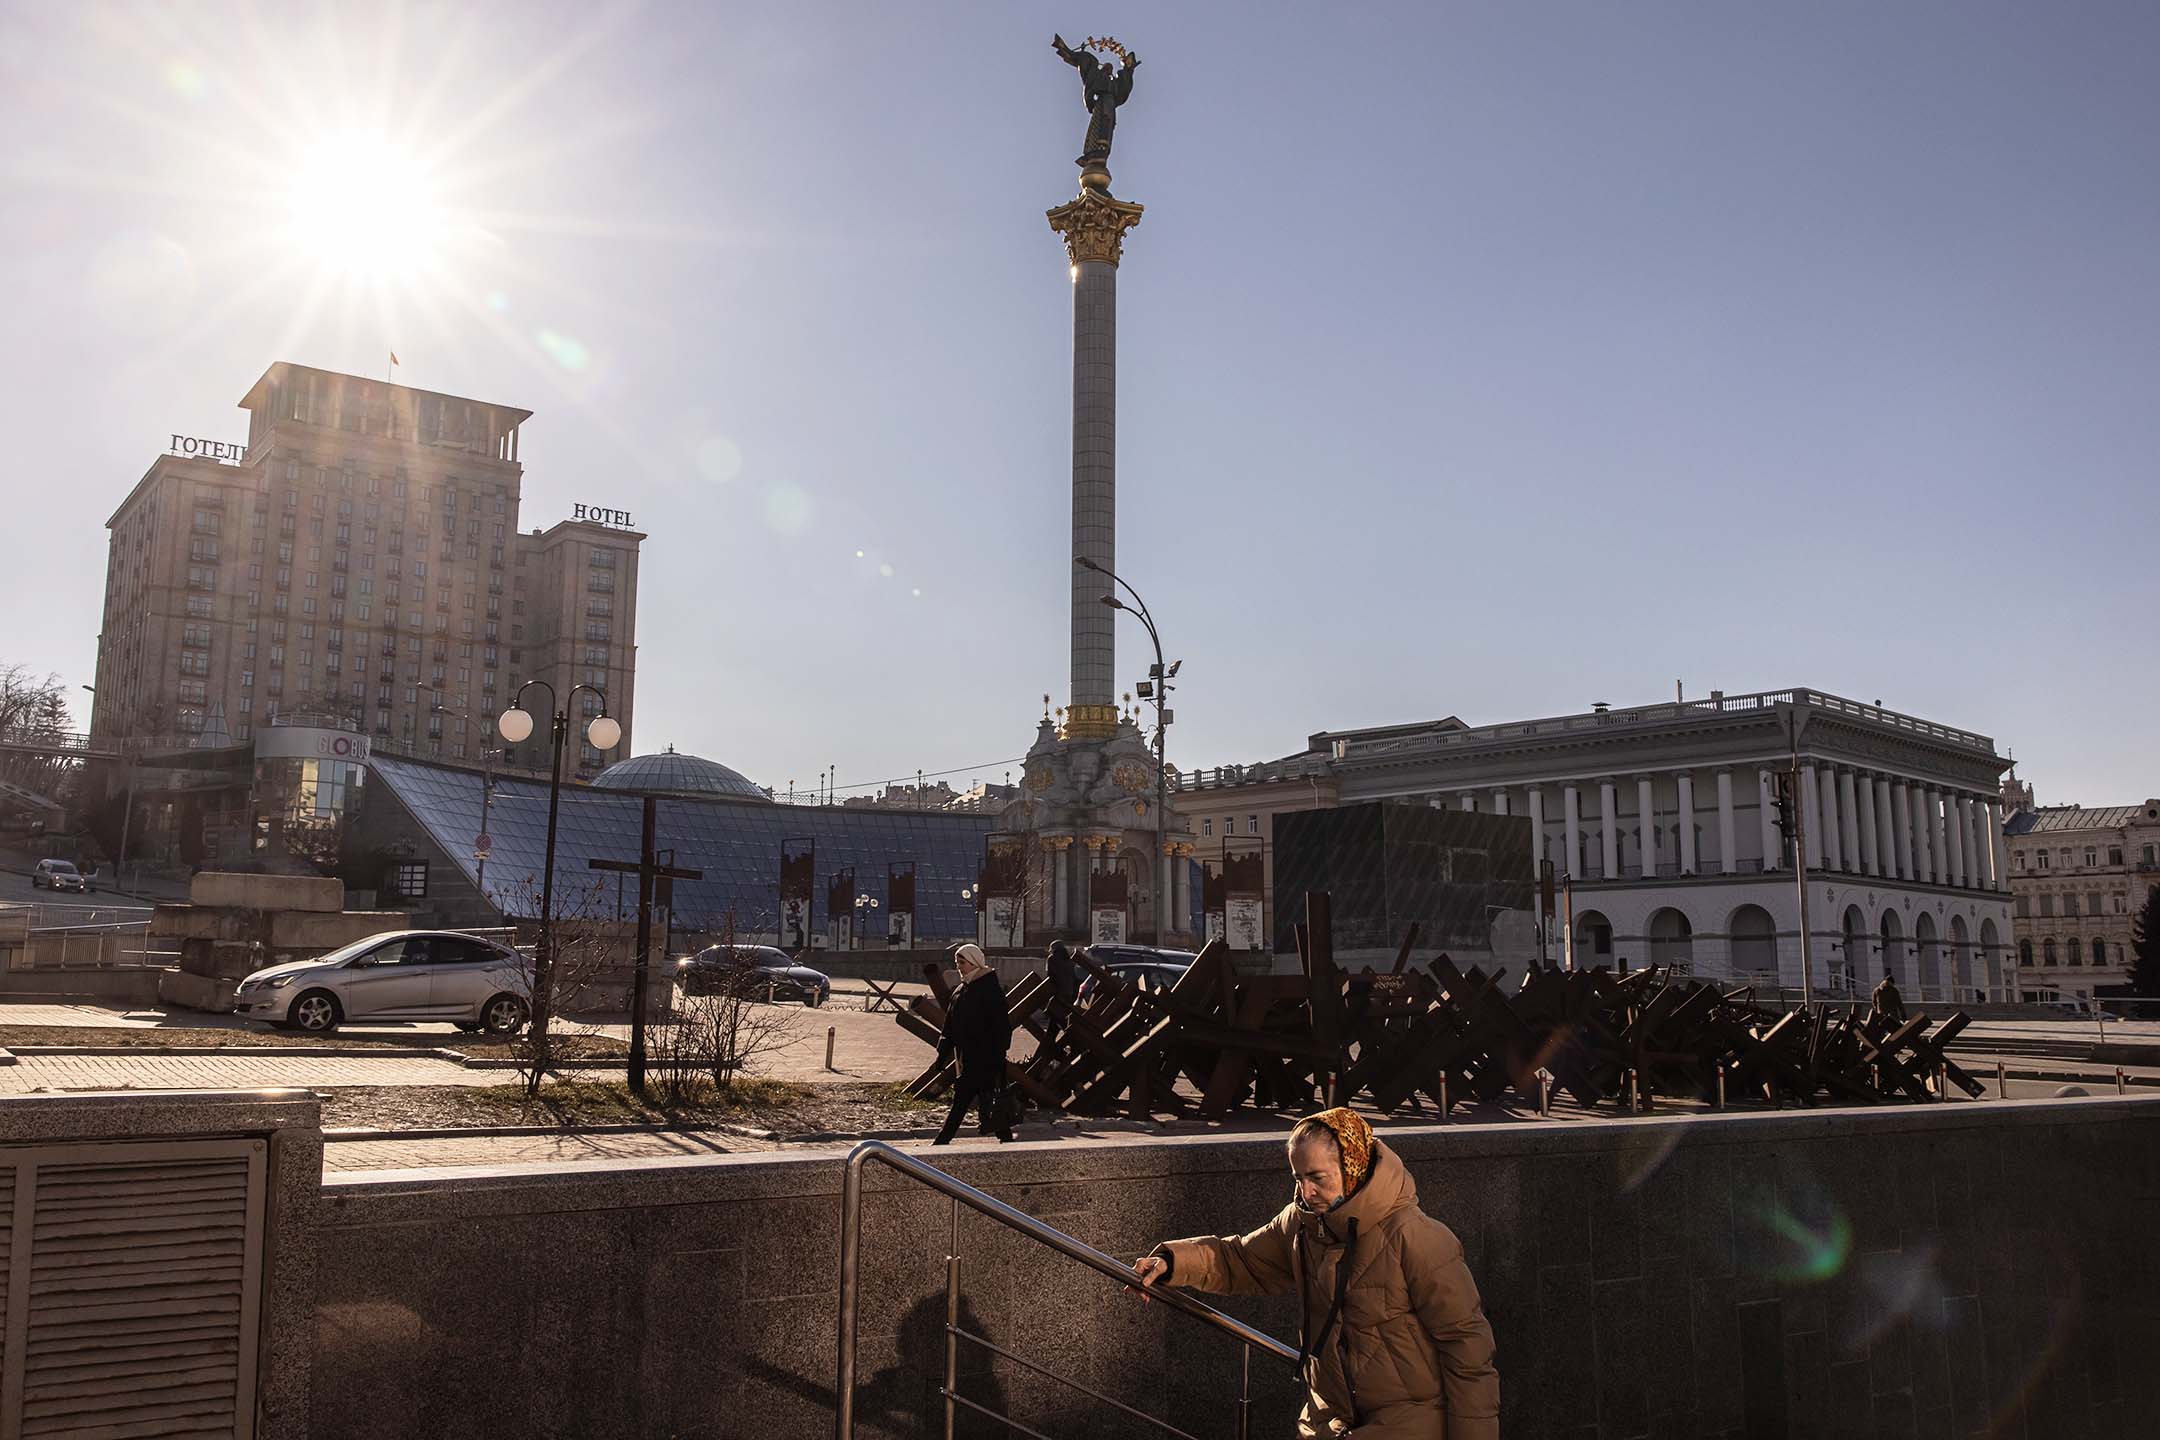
column 1387, row 864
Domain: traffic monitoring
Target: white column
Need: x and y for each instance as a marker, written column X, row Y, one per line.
column 1646, row 827
column 2000, row 848
column 1726, row 858
column 1687, row 823
column 1901, row 817
column 1766, row 817
column 1923, row 833
column 1499, row 802
column 1571, row 820
column 1832, row 851
column 1060, row 885
column 1848, row 822
column 1886, row 842
column 1870, row 838
column 1608, row 830
column 1811, row 809
column 1954, row 832
column 1537, row 831
column 1466, row 801
column 1976, row 854
column 1940, row 840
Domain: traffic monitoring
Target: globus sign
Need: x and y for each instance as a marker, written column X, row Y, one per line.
column 309, row 742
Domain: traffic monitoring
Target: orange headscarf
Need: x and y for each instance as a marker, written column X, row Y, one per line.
column 1354, row 1136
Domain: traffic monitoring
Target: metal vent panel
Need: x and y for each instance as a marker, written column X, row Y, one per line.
column 133, row 1288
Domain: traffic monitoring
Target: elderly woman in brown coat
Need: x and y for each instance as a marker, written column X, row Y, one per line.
column 1394, row 1339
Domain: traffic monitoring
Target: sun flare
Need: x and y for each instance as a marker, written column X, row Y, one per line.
column 364, row 207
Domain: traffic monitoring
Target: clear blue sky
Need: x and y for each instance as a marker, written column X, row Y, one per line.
column 1475, row 359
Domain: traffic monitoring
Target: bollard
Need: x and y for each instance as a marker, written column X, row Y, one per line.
column 1721, row 1087
column 2002, row 1081
column 1544, row 1095
column 1634, row 1094
column 829, row 1032
column 2122, row 1081
column 1443, row 1099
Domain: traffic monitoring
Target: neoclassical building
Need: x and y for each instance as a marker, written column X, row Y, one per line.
column 2078, row 877
column 1660, row 817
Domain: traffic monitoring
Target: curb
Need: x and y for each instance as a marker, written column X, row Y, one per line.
column 511, row 1132
column 335, row 1052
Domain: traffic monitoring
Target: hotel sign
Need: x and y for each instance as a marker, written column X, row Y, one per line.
column 596, row 515
column 208, row 449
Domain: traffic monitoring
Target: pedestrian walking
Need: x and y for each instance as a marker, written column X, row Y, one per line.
column 979, row 1029
column 1393, row 1343
column 1064, row 986
column 1889, row 1005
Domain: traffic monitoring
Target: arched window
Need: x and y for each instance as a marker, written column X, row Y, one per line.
column 2099, row 955
column 2024, row 952
column 2077, row 953
column 2047, row 952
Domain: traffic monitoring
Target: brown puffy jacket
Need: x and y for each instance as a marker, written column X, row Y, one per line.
column 1410, row 1355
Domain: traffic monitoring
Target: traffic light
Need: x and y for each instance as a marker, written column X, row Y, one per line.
column 1788, row 815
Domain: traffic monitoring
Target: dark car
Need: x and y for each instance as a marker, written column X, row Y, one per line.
column 1142, row 965
column 770, row 973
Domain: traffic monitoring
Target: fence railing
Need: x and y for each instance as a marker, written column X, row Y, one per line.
column 1048, row 1236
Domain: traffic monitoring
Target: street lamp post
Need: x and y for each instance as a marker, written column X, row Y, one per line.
column 515, row 725
column 1156, row 687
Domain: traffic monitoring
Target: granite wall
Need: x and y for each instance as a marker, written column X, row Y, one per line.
column 1962, row 1270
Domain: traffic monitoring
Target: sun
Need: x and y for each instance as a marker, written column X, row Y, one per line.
column 365, row 208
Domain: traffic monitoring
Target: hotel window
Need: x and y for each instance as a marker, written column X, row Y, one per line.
column 1252, row 824
column 2047, row 906
column 1207, row 827
column 2115, row 855
column 2042, row 857
column 2092, row 856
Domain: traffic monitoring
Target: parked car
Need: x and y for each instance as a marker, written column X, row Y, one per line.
column 60, row 875
column 473, row 983
column 1142, row 965
column 769, row 970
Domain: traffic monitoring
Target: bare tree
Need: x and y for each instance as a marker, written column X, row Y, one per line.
column 30, row 706
column 722, row 1025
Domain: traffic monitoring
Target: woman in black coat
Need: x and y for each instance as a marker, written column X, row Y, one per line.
column 979, row 1029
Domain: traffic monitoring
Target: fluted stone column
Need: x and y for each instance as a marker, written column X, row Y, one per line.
column 1499, row 802
column 1923, row 836
column 1999, row 844
column 1901, row 814
column 1608, row 829
column 1977, row 855
column 1686, row 788
column 1942, row 840
column 1537, row 829
column 1954, row 833
column 1832, row 846
column 1571, row 822
column 1773, row 843
column 1886, row 842
column 1848, row 822
column 1870, row 838
column 1727, row 861
column 1645, row 828
column 1093, row 228
column 1811, row 811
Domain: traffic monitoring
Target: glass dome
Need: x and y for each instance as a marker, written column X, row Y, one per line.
column 669, row 773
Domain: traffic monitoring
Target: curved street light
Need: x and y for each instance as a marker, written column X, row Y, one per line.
column 1157, row 689
column 515, row 726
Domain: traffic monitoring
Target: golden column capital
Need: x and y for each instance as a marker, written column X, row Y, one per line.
column 1089, row 722
column 1094, row 226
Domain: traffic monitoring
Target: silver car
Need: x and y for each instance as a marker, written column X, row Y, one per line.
column 475, row 984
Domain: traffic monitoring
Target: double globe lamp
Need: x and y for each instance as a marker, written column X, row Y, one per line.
column 515, row 726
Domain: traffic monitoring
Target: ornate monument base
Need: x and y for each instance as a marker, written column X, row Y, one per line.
column 1089, row 805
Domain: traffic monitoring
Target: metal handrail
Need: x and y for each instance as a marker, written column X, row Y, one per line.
column 986, row 1204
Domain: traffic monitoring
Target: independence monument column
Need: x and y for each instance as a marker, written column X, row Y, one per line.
column 1092, row 803
column 1094, row 227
